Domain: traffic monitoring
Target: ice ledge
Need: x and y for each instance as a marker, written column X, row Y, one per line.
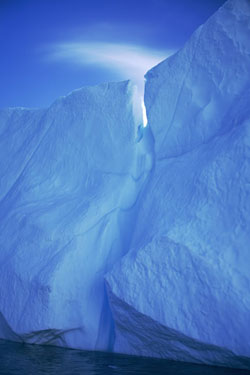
column 138, row 334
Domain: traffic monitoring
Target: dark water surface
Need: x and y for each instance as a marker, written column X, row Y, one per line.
column 23, row 359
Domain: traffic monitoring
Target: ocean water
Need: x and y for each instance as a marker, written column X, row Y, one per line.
column 24, row 359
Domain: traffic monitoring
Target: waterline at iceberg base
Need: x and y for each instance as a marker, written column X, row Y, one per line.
column 135, row 240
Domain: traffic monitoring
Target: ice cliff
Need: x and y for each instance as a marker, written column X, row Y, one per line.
column 115, row 237
column 182, row 291
column 70, row 176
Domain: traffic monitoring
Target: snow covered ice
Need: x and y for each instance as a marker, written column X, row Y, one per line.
column 119, row 237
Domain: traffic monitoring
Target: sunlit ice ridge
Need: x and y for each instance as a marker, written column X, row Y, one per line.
column 127, row 60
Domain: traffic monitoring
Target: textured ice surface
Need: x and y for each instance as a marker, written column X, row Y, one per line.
column 162, row 211
column 203, row 90
column 69, row 178
column 187, row 272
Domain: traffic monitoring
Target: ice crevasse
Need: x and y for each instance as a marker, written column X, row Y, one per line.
column 115, row 237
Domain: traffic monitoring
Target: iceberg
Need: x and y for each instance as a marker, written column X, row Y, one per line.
column 68, row 186
column 182, row 291
column 135, row 239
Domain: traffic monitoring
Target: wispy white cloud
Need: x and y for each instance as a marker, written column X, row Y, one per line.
column 127, row 60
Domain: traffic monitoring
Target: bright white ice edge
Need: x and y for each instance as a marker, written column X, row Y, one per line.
column 135, row 239
column 144, row 114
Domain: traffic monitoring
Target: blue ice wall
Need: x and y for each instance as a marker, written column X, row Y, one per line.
column 70, row 177
column 183, row 288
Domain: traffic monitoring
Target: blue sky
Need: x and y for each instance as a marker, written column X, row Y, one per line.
column 50, row 47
